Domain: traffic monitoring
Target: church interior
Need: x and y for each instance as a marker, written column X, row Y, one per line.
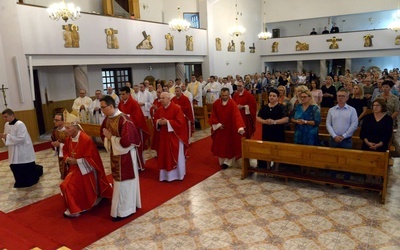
column 43, row 68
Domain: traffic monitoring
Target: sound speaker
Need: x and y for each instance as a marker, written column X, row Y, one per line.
column 276, row 33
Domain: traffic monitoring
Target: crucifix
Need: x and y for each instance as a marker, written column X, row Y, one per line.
column 252, row 49
column 333, row 41
column 4, row 94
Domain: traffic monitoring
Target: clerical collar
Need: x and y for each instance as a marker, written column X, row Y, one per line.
column 76, row 138
column 13, row 121
column 62, row 129
column 167, row 105
column 116, row 113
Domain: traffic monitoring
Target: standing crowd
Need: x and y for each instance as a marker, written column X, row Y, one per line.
column 365, row 100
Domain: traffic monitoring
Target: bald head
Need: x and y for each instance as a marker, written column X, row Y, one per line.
column 165, row 99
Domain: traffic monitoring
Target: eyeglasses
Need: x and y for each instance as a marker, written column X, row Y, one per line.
column 103, row 107
column 56, row 120
column 342, row 96
column 302, row 97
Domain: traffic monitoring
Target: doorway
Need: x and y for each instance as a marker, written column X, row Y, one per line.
column 193, row 69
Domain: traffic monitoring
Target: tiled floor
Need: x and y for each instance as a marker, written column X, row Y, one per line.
column 225, row 212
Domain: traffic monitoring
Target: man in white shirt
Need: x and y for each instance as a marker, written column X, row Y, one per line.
column 152, row 92
column 211, row 90
column 21, row 154
column 227, row 84
column 144, row 100
column 186, row 92
column 81, row 106
column 195, row 88
column 135, row 92
column 96, row 116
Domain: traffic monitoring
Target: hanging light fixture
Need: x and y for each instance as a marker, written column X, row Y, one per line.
column 395, row 25
column 264, row 35
column 237, row 30
column 179, row 23
column 64, row 11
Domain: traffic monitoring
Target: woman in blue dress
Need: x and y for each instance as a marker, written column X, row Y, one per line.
column 306, row 117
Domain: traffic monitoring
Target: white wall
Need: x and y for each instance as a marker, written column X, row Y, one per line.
column 346, row 23
column 85, row 5
column 279, row 10
column 222, row 16
column 59, row 80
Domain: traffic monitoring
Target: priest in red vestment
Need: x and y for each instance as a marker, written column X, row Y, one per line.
column 248, row 108
column 170, row 124
column 131, row 107
column 182, row 101
column 227, row 128
column 86, row 182
column 121, row 140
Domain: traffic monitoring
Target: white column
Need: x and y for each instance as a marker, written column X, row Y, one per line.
column 347, row 64
column 299, row 66
column 81, row 78
column 323, row 71
column 180, row 71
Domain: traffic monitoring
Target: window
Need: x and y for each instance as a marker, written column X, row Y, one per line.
column 115, row 78
column 193, row 18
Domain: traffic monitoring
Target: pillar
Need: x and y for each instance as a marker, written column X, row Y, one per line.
column 81, row 78
column 347, row 64
column 299, row 66
column 180, row 71
column 323, row 71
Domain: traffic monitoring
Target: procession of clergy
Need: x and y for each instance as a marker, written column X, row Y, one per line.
column 125, row 134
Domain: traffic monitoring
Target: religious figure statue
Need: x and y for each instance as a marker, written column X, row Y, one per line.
column 169, row 40
column 218, row 45
column 334, row 44
column 275, row 47
column 189, row 43
column 112, row 40
column 397, row 40
column 67, row 36
column 75, row 36
column 301, row 46
column 368, row 40
column 231, row 46
column 146, row 42
column 242, row 46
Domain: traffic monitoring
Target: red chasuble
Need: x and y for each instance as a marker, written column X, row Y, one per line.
column 186, row 107
column 133, row 110
column 122, row 126
column 169, row 141
column 80, row 191
column 249, row 120
column 227, row 141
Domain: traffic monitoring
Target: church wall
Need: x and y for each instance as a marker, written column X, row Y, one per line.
column 221, row 18
column 278, row 10
column 43, row 36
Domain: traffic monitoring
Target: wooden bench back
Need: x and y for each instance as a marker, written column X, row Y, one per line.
column 347, row 160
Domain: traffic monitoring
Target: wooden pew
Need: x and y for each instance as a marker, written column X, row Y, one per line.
column 357, row 143
column 347, row 160
column 201, row 114
column 322, row 129
column 91, row 129
column 209, row 109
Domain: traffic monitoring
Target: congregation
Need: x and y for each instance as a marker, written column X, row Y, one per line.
column 367, row 100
